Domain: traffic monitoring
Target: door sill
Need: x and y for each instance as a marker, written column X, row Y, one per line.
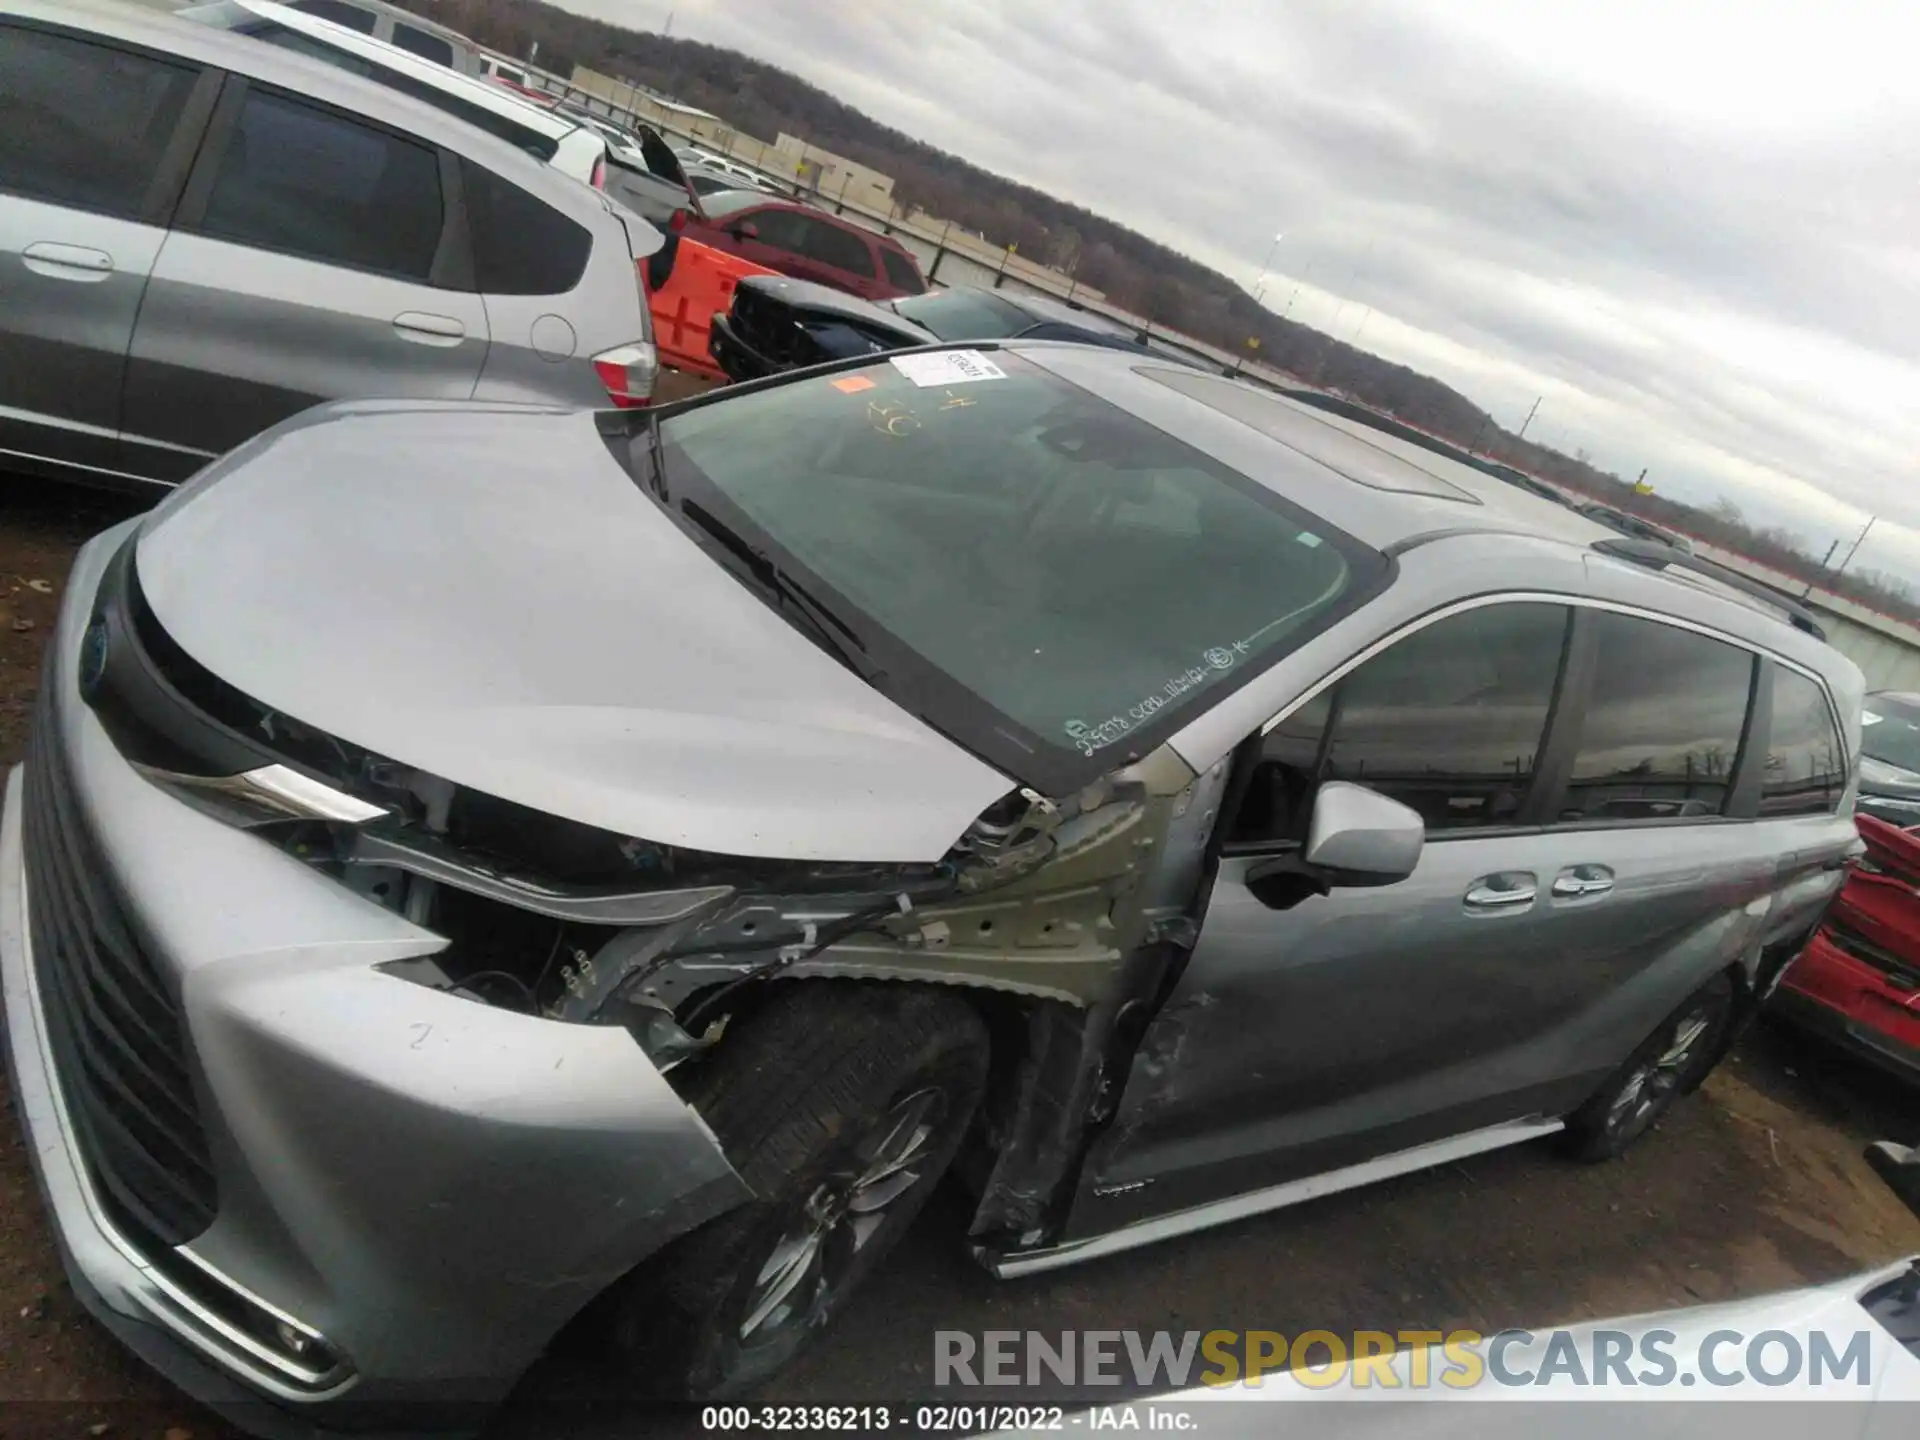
column 1007, row 1264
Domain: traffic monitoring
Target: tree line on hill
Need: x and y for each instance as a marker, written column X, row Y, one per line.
column 1135, row 272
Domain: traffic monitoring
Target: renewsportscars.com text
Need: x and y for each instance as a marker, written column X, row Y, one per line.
column 1456, row 1359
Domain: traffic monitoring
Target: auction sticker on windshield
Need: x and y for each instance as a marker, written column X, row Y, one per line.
column 947, row 367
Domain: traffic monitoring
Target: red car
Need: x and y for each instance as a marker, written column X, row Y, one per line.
column 806, row 244
column 1858, row 980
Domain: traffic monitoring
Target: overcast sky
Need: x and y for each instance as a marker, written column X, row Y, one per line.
column 1693, row 227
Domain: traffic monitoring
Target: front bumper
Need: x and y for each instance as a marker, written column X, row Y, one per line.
column 428, row 1185
column 1832, row 994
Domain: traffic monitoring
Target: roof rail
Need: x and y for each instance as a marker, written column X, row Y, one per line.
column 1655, row 556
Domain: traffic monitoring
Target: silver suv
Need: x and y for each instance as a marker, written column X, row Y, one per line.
column 201, row 235
column 476, row 862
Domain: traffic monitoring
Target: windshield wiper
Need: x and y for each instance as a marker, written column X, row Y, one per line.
column 833, row 633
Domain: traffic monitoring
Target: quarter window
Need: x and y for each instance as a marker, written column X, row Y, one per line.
column 900, row 272
column 339, row 12
column 521, row 245
column 1805, row 770
column 419, row 42
column 82, row 124
column 1661, row 732
column 307, row 182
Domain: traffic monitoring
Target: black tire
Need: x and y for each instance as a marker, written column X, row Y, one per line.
column 1669, row 1063
column 801, row 1096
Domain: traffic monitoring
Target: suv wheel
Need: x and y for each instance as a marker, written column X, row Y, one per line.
column 1669, row 1063
column 841, row 1105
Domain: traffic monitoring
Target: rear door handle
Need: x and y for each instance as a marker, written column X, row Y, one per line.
column 67, row 262
column 1578, row 880
column 1510, row 891
column 424, row 329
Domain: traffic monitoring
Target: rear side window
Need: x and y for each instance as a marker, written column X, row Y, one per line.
column 842, row 249
column 1662, row 728
column 521, row 245
column 900, row 272
column 340, row 13
column 419, row 42
column 308, row 182
column 1805, row 771
column 83, row 124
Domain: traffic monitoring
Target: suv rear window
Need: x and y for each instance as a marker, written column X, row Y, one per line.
column 419, row 42
column 521, row 245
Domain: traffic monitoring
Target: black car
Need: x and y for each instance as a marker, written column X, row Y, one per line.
column 780, row 324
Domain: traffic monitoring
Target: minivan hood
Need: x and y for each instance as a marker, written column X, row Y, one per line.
column 482, row 592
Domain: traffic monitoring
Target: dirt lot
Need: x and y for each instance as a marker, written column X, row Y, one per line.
column 1756, row 1184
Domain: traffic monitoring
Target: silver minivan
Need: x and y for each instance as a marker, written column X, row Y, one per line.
column 201, row 235
column 620, row 880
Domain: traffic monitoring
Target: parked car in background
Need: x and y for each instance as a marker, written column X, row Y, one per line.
column 707, row 181
column 1890, row 757
column 749, row 178
column 201, row 235
column 995, row 730
column 568, row 146
column 780, row 324
column 807, row 244
column 411, row 32
column 1635, row 526
column 1858, row 981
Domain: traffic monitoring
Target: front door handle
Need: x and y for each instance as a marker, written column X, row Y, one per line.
column 67, row 262
column 425, row 329
column 1510, row 891
column 1581, row 880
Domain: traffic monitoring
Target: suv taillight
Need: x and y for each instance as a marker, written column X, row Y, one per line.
column 628, row 373
column 599, row 181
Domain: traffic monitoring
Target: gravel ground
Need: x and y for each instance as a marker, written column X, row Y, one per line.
column 1755, row 1184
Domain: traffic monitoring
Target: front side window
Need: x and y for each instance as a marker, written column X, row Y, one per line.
column 1050, row 581
column 782, row 229
column 83, row 124
column 1661, row 731
column 1448, row 721
column 305, row 181
column 1806, row 766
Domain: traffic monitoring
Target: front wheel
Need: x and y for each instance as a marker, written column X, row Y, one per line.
column 1668, row 1064
column 841, row 1105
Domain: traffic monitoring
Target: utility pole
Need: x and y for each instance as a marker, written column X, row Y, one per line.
column 1856, row 545
column 1529, row 420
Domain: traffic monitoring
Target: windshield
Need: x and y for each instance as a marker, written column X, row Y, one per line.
column 964, row 315
column 1046, row 579
column 1890, row 731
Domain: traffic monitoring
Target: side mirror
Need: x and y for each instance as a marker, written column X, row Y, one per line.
column 745, row 230
column 1360, row 837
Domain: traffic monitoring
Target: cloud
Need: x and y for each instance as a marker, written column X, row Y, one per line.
column 1693, row 230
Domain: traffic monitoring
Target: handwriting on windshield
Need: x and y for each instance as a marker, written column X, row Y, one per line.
column 1091, row 736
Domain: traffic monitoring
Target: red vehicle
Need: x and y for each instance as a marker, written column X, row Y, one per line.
column 1858, row 980
column 806, row 244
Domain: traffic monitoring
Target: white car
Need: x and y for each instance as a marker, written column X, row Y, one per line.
column 572, row 148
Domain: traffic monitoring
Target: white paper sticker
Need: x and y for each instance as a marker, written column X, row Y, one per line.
column 947, row 367
column 1867, row 717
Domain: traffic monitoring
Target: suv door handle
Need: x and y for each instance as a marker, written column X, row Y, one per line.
column 425, row 329
column 67, row 262
column 1578, row 880
column 1509, row 891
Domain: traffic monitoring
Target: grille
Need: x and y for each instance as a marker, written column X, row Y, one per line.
column 1902, row 973
column 118, row 1042
column 769, row 327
